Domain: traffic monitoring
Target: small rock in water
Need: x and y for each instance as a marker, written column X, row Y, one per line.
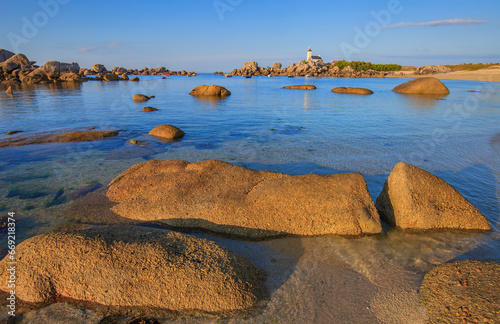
column 13, row 132
column 136, row 142
column 149, row 109
column 140, row 98
column 9, row 91
column 135, row 79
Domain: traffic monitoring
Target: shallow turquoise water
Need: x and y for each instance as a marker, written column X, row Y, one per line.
column 260, row 126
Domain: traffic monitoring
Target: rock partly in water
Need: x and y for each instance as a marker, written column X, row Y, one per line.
column 136, row 142
column 462, row 292
column 111, row 77
column 50, row 137
column 132, row 266
column 13, row 132
column 425, row 86
column 135, row 79
column 302, row 87
column 414, row 199
column 167, row 132
column 230, row 199
column 147, row 108
column 359, row 91
column 140, row 98
column 62, row 313
column 9, row 91
column 70, row 77
column 210, row 91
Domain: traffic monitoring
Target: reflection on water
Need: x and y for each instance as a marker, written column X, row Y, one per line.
column 262, row 127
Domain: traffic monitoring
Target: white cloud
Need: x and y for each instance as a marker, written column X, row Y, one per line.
column 456, row 21
column 97, row 47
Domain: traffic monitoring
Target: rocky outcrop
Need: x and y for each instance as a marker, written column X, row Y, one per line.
column 431, row 69
column 50, row 137
column 140, row 98
column 167, row 132
column 220, row 197
column 359, row 91
column 462, row 292
column 302, row 87
column 132, row 266
column 210, row 91
column 414, row 199
column 424, row 86
column 304, row 68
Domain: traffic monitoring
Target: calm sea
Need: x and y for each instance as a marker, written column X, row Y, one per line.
column 261, row 126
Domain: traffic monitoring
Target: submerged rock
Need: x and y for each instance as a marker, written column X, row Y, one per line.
column 429, row 86
column 149, row 109
column 302, row 87
column 134, row 266
column 167, row 132
column 360, row 91
column 210, row 91
column 50, row 137
column 462, row 292
column 414, row 199
column 229, row 199
column 140, row 97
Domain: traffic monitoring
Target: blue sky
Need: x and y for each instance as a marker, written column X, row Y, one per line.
column 220, row 35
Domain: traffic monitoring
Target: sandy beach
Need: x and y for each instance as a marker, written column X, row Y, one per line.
column 491, row 74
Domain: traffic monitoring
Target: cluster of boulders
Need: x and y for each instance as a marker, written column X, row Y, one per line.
column 17, row 69
column 99, row 69
column 304, row 68
column 431, row 69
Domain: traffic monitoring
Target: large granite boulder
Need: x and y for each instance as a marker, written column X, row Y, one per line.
column 98, row 68
column 132, row 266
column 5, row 55
column 359, row 91
column 462, row 292
column 210, row 91
column 14, row 62
column 425, row 86
column 302, row 87
column 111, row 77
column 230, row 199
column 251, row 66
column 414, row 199
column 167, row 132
column 276, row 66
column 54, row 69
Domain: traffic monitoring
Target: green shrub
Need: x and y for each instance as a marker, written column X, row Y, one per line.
column 364, row 66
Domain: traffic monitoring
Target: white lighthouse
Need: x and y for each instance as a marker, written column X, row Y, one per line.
column 309, row 54
column 315, row 59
